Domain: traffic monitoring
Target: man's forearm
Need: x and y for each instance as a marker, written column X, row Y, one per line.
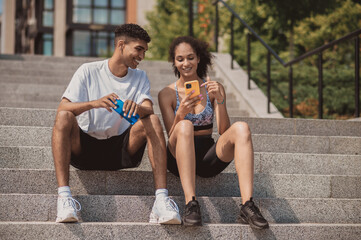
column 145, row 111
column 76, row 108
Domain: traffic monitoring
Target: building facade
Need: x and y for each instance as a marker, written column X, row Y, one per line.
column 66, row 27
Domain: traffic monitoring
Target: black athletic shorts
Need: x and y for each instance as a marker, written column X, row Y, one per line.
column 207, row 162
column 107, row 154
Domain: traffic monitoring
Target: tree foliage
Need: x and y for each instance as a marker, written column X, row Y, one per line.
column 291, row 28
column 170, row 19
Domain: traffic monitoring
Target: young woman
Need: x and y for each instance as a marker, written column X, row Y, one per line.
column 191, row 148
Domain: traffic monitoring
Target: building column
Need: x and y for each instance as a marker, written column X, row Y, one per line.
column 131, row 14
column 59, row 34
column 8, row 27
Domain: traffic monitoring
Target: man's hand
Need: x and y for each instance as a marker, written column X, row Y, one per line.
column 130, row 108
column 106, row 102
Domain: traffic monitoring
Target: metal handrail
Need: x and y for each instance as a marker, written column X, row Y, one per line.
column 324, row 47
column 289, row 64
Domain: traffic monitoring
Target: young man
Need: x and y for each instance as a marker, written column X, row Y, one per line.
column 89, row 135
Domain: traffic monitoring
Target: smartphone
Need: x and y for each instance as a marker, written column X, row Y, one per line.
column 119, row 103
column 190, row 86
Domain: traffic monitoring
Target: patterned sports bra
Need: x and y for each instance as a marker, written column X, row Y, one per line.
column 202, row 120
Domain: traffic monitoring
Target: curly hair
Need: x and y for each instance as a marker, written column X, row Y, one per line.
column 132, row 31
column 200, row 48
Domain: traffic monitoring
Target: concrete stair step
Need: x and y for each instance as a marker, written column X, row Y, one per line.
column 285, row 126
column 31, row 61
column 100, row 208
column 54, row 105
column 19, row 99
column 10, row 92
column 41, row 136
column 51, row 230
column 17, row 90
column 34, row 73
column 28, row 87
column 154, row 73
column 5, row 78
column 31, row 104
column 271, row 163
column 154, row 78
column 46, row 59
column 223, row 185
column 65, row 75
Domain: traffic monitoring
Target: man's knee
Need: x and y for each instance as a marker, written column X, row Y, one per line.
column 64, row 120
column 153, row 120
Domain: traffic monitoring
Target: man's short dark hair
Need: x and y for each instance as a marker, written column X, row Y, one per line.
column 131, row 32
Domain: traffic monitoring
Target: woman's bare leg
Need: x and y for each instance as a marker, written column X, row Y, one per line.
column 236, row 143
column 181, row 145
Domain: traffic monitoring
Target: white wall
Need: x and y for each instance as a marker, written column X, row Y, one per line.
column 144, row 6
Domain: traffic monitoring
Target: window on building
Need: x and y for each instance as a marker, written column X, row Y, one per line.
column 1, row 12
column 45, row 27
column 93, row 43
column 1, row 7
column 104, row 12
column 91, row 25
column 48, row 13
column 48, row 44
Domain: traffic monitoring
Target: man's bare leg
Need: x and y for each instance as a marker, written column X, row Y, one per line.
column 65, row 140
column 150, row 130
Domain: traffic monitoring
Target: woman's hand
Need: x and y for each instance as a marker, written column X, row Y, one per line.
column 214, row 90
column 188, row 104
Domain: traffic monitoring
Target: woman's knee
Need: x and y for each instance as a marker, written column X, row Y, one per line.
column 242, row 130
column 185, row 128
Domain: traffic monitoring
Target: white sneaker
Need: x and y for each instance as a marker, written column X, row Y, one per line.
column 165, row 211
column 67, row 208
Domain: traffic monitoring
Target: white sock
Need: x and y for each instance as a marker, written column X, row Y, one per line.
column 162, row 192
column 64, row 191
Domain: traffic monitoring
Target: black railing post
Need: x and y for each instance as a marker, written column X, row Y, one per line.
column 249, row 60
column 320, row 86
column 190, row 18
column 290, row 91
column 357, row 77
column 216, row 32
column 232, row 40
column 268, row 82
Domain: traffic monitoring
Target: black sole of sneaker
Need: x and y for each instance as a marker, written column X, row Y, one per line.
column 244, row 220
column 190, row 224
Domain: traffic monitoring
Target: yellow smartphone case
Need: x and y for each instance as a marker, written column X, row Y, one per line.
column 190, row 86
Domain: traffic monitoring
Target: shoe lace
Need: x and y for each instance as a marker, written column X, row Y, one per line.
column 254, row 209
column 192, row 208
column 171, row 205
column 69, row 201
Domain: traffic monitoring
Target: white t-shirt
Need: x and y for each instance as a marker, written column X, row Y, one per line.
column 93, row 81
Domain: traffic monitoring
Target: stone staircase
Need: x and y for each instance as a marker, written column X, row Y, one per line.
column 307, row 172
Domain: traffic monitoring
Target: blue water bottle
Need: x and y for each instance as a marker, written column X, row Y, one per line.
column 119, row 103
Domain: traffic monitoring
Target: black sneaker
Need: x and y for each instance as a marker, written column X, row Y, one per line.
column 251, row 215
column 192, row 214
